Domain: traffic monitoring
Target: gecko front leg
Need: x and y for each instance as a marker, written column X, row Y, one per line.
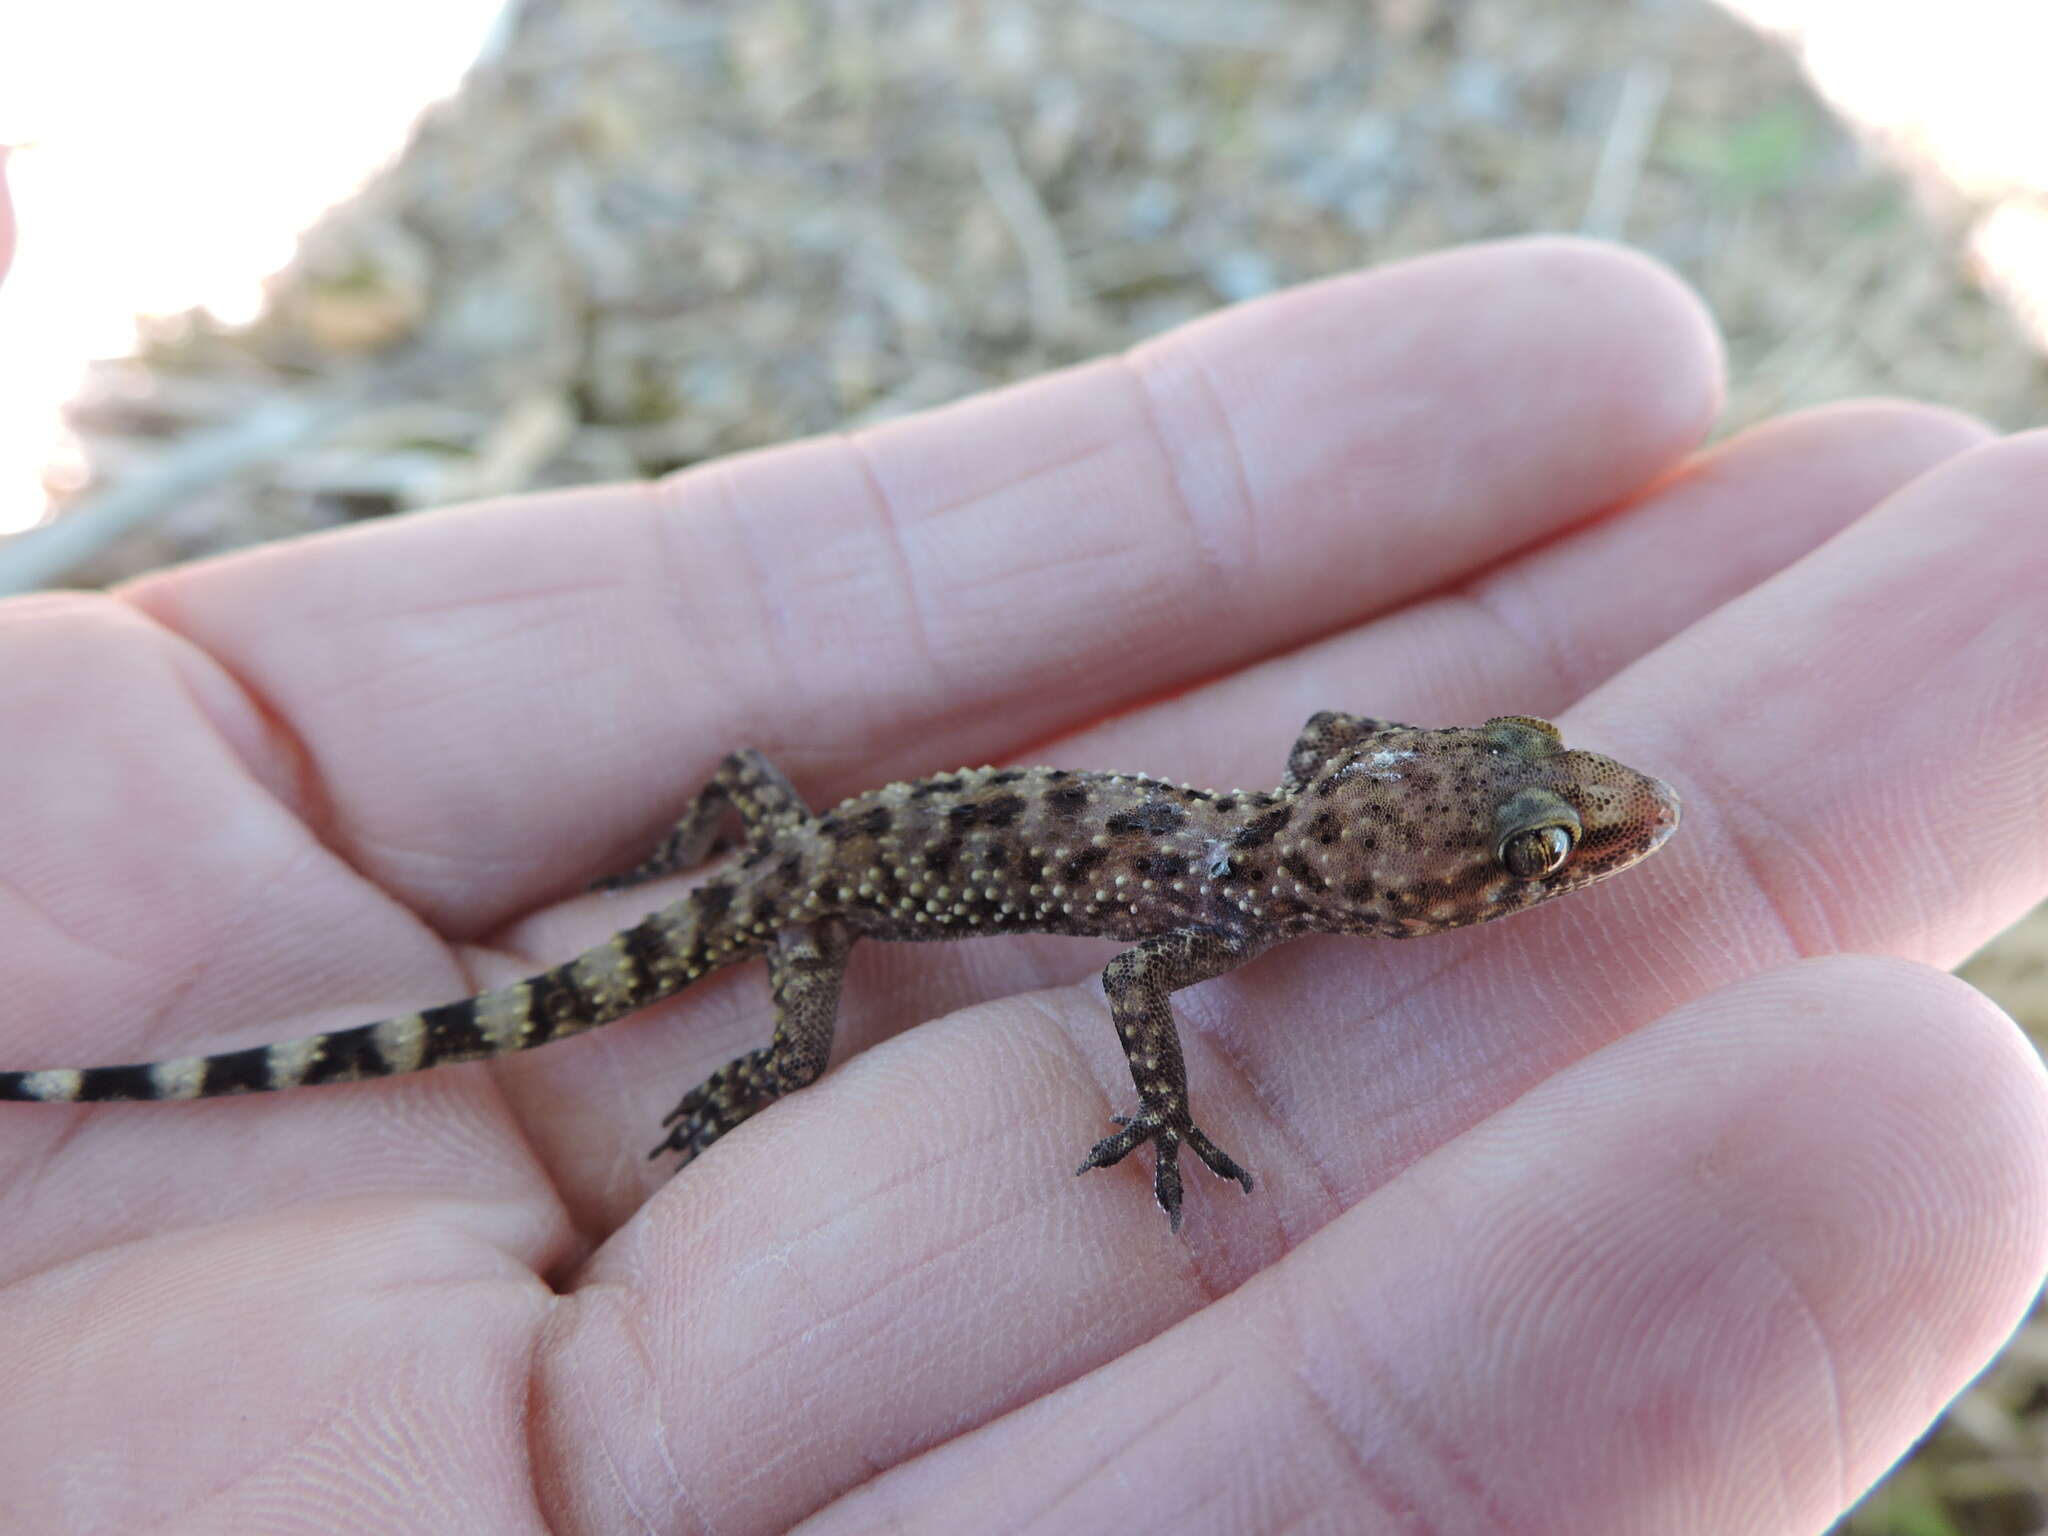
column 1139, row 983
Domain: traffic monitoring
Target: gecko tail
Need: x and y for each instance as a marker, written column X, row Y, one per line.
column 634, row 967
column 339, row 1056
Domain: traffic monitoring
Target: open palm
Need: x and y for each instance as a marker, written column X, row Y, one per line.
column 1636, row 1213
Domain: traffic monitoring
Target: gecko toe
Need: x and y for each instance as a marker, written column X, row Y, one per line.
column 1112, row 1150
column 1220, row 1162
column 1166, row 1179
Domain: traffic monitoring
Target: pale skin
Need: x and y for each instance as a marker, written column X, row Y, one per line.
column 1654, row 1209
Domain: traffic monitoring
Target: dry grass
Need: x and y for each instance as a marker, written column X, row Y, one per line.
column 646, row 234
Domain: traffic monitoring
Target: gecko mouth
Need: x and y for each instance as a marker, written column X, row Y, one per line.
column 1666, row 816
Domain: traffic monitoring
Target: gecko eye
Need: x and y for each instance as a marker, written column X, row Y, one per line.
column 1538, row 852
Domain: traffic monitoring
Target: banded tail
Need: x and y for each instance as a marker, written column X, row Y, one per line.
column 636, row 966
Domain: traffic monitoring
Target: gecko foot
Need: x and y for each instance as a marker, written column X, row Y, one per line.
column 735, row 1092
column 1166, row 1137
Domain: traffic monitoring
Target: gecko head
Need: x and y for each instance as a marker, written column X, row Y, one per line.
column 1445, row 828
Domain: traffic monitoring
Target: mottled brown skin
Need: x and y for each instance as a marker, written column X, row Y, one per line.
column 1379, row 829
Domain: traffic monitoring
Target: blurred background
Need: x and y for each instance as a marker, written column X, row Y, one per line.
column 285, row 267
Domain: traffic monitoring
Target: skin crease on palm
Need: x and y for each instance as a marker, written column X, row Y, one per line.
column 1679, row 1205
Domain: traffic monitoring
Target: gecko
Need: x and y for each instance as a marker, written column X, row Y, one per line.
column 1376, row 829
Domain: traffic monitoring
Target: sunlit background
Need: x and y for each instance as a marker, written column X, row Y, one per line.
column 170, row 153
column 1955, row 87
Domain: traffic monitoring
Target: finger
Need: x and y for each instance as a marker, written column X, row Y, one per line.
column 860, row 605
column 1716, row 1277
column 1530, row 636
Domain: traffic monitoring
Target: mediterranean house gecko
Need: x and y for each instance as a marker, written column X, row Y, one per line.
column 1376, row 828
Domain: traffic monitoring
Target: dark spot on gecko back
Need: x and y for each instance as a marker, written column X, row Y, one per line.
column 1303, row 872
column 1083, row 864
column 1256, row 833
column 925, row 788
column 939, row 858
column 1155, row 817
column 1002, row 810
column 1008, row 776
column 1325, row 829
column 1067, row 800
column 1162, row 866
column 999, row 812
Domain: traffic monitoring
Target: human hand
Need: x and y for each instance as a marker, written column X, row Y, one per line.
column 1635, row 1213
column 6, row 216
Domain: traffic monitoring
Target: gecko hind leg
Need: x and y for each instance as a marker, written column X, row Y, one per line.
column 1139, row 983
column 804, row 972
column 747, row 784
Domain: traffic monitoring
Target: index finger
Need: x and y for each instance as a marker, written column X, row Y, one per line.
column 486, row 698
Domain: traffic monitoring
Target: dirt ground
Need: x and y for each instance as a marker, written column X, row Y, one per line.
column 647, row 234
